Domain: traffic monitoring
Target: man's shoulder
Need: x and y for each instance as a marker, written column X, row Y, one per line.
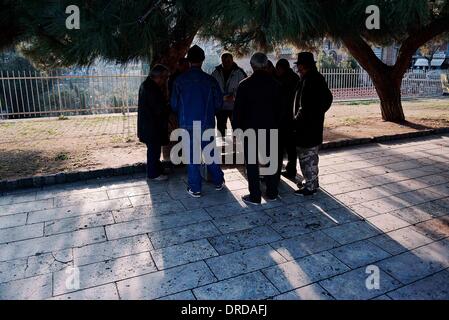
column 294, row 76
column 209, row 78
column 240, row 70
column 317, row 76
column 148, row 85
column 246, row 82
column 218, row 69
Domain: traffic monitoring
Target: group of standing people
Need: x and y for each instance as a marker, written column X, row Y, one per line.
column 272, row 98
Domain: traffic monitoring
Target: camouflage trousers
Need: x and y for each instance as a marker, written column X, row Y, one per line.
column 309, row 161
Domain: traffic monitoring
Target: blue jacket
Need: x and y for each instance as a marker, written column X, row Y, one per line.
column 196, row 96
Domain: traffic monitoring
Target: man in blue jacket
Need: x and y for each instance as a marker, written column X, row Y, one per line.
column 196, row 97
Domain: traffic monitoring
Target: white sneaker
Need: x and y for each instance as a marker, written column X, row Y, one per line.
column 161, row 178
column 194, row 194
column 220, row 187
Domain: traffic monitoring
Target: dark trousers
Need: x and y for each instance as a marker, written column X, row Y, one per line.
column 154, row 164
column 288, row 145
column 222, row 121
column 253, row 173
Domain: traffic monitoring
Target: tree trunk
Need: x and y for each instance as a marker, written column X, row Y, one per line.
column 171, row 56
column 387, row 80
column 389, row 90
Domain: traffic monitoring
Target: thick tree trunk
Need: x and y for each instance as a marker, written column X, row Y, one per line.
column 172, row 54
column 389, row 90
column 387, row 80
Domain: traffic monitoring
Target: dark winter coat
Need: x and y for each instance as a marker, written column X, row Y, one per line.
column 289, row 82
column 153, row 113
column 259, row 103
column 313, row 99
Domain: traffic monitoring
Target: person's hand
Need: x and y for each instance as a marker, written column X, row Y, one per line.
column 229, row 98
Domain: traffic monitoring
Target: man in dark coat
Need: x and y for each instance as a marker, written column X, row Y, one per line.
column 313, row 100
column 289, row 80
column 258, row 106
column 152, row 119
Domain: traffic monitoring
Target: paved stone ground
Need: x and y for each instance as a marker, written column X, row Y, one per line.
column 380, row 205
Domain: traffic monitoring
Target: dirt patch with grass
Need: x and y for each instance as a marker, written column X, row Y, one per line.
column 66, row 144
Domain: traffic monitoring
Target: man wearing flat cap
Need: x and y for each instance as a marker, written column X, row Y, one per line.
column 313, row 99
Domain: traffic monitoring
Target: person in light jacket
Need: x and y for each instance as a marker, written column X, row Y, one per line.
column 228, row 75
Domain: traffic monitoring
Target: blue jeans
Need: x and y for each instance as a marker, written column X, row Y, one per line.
column 154, row 165
column 194, row 173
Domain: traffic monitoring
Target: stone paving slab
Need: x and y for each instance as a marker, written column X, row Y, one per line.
column 27, row 289
column 251, row 286
column 302, row 246
column 305, row 271
column 155, row 223
column 130, row 214
column 78, row 223
column 183, row 254
column 164, row 283
column 180, row 235
column 359, row 254
column 400, row 241
column 387, row 222
column 435, row 229
column 49, row 244
column 425, row 289
column 352, row 285
column 97, row 274
column 76, row 199
column 21, row 233
column 352, row 232
column 78, row 210
column 234, row 264
column 107, row 292
column 242, row 222
column 112, row 249
column 183, row 296
column 35, row 265
column 312, row 292
column 417, row 264
column 309, row 224
column 26, row 207
column 244, row 239
column 228, row 210
column 380, row 205
column 288, row 212
column 15, row 220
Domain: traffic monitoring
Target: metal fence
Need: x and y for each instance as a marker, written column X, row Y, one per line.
column 357, row 85
column 25, row 94
column 30, row 95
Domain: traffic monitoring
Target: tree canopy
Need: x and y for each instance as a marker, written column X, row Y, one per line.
column 112, row 30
